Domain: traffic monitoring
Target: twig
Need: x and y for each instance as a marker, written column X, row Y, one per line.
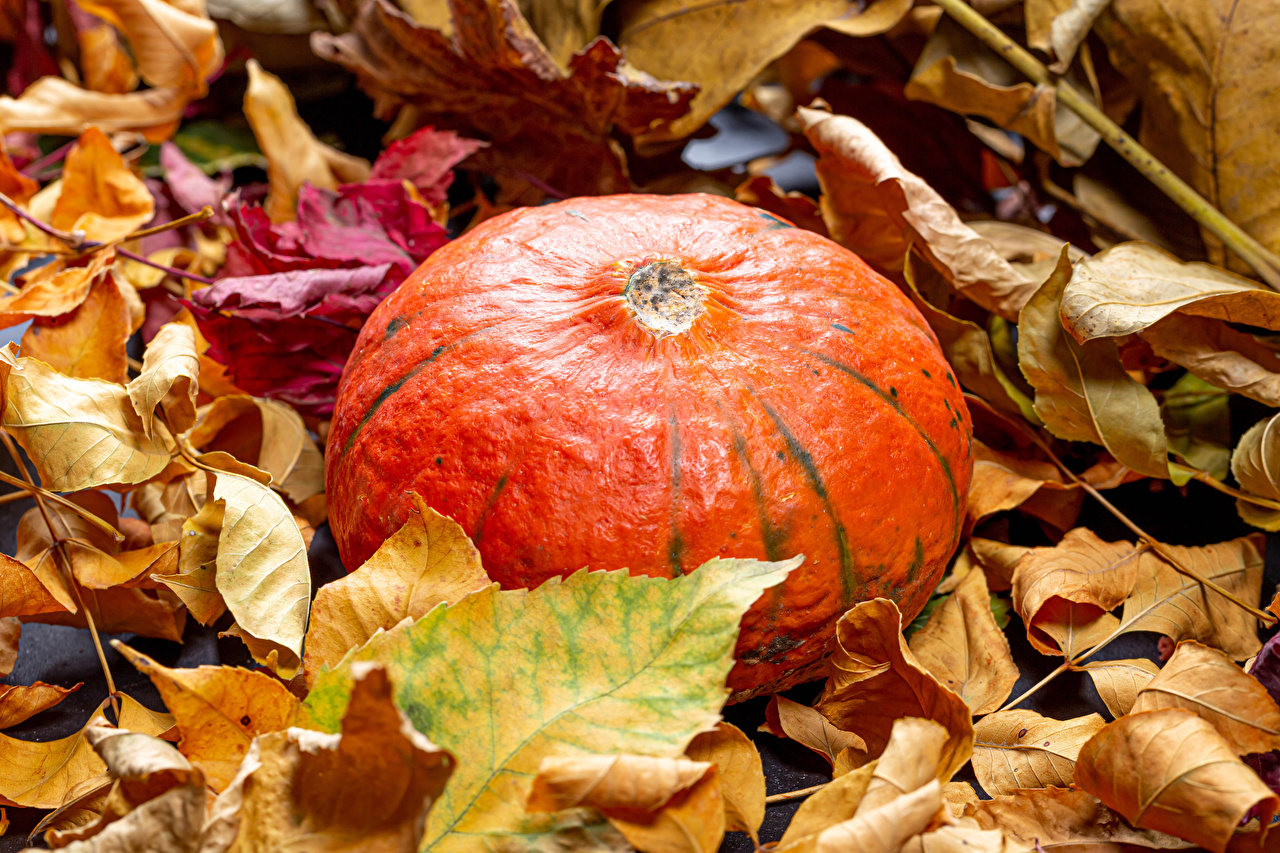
column 200, row 215
column 20, row 495
column 73, row 239
column 174, row 271
column 1266, row 263
column 61, row 501
column 795, row 795
column 1215, row 483
column 49, row 159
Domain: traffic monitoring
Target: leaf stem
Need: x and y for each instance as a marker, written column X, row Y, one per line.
column 1215, row 483
column 795, row 795
column 73, row 240
column 173, row 271
column 1265, row 262
column 60, row 500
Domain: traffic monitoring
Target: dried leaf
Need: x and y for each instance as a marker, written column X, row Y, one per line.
column 219, row 710
column 911, row 760
column 1082, row 390
column 957, row 839
column 1171, row 771
column 100, row 196
column 787, row 718
column 21, row 592
column 836, row 802
column 90, row 342
column 429, row 560
column 425, row 157
column 1255, row 463
column 875, row 679
column 1021, row 749
column 294, row 155
column 10, row 635
column 1205, row 681
column 741, row 774
column 54, row 105
column 1060, row 26
column 19, row 703
column 169, row 379
column 612, row 783
column 962, row 646
column 1003, row 481
column 53, row 290
column 998, row 560
column 877, row 208
column 39, row 775
column 174, row 43
column 887, row 828
column 80, row 433
column 1119, row 681
column 495, row 712
column 367, row 789
column 1197, row 420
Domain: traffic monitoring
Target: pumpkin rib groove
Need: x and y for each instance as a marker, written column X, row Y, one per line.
column 675, row 550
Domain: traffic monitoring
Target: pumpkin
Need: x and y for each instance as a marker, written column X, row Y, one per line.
column 649, row 382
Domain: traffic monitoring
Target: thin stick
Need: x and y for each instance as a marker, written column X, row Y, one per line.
column 174, row 271
column 795, row 795
column 1266, row 263
column 201, row 215
column 20, row 495
column 60, row 500
column 48, row 160
column 1214, row 483
column 73, row 240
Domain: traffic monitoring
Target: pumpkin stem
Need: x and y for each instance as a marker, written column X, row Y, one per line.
column 665, row 298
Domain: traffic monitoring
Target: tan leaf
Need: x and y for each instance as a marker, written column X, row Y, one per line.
column 105, row 63
column 877, row 208
column 219, row 710
column 1069, row 629
column 875, row 679
column 367, row 789
column 1255, row 463
column 1205, row 681
column 834, row 803
column 174, row 43
column 144, row 612
column 293, row 153
column 1119, row 681
column 136, row 717
column 80, row 433
column 1082, row 390
column 910, row 761
column 53, row 290
column 805, row 725
column 55, row 105
column 1082, row 569
column 89, row 343
column 997, row 559
column 1003, row 481
column 741, row 774
column 1202, row 71
column 1060, row 26
column 735, row 42
column 21, row 593
column 963, row 648
column 429, row 560
column 100, row 195
column 97, row 570
column 887, row 828
column 1171, row 771
column 1178, row 607
column 612, row 782
column 10, row 635
column 958, row 795
column 39, row 775
column 19, row 703
column 1218, row 354
column 169, row 379
column 692, row 822
column 195, row 582
column 1021, row 749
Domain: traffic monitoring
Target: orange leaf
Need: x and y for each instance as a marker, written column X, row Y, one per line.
column 100, row 195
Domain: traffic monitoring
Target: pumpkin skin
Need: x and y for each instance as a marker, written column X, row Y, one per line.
column 526, row 381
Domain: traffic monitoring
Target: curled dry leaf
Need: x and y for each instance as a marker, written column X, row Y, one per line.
column 367, row 788
column 1171, row 771
column 887, row 828
column 1022, row 749
column 741, row 774
column 218, row 710
column 100, row 195
column 429, row 560
column 911, row 760
column 998, row 560
column 39, row 775
column 957, row 839
column 19, row 702
column 195, row 582
column 21, row 592
column 1082, row 390
column 174, row 44
column 88, row 343
column 875, row 679
column 807, row 726
column 1255, row 462
column 1004, row 481
column 878, row 209
column 294, row 155
column 1060, row 26
column 55, row 105
column 169, row 379
column 1205, row 681
column 80, row 433
column 10, row 635
column 612, row 783
column 474, row 676
column 836, row 802
column 962, row 646
column 54, row 289
column 1119, row 681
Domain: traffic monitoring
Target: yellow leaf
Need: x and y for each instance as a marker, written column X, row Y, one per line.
column 806, row 726
column 169, row 379
column 962, row 646
column 877, row 208
column 1021, row 749
column 294, row 155
column 53, row 290
column 997, row 559
column 692, row 822
column 1118, row 681
column 19, row 702
column 39, row 775
column 21, row 593
column 741, row 774
column 55, row 105
column 89, row 343
column 195, row 582
column 218, row 710
column 105, row 64
column 429, row 560
column 1205, row 681
column 875, row 680
column 100, row 195
column 1171, row 771
column 136, row 717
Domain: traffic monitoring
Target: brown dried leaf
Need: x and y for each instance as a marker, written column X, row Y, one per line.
column 169, row 379
column 962, row 646
column 1021, row 749
column 1205, row 681
column 144, row 612
column 88, row 343
column 58, row 106
column 39, row 775
column 1119, row 681
column 1171, row 771
column 875, row 679
column 1082, row 390
column 1003, row 481
column 219, row 710
column 10, row 635
column 886, row 829
column 834, row 803
column 21, row 593
column 174, row 43
column 100, row 195
column 911, row 760
column 612, row 783
column 997, row 559
column 1060, row 26
column 19, row 703
column 1255, row 463
column 429, row 560
column 808, row 727
column 741, row 774
column 53, row 290
column 878, row 209
column 957, row 839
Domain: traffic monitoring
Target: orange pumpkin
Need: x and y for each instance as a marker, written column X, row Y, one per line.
column 649, row 382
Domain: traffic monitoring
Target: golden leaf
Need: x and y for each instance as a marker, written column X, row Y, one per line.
column 1171, row 771
column 195, row 582
column 836, row 802
column 997, row 559
column 887, row 828
column 19, row 188
column 55, row 105
column 144, row 612
column 294, row 155
column 174, row 44
column 10, row 634
column 100, row 195
column 218, row 710
column 39, row 775
column 1004, row 481
column 169, row 379
column 608, row 783
column 1205, row 681
column 911, row 760
column 1118, row 681
column 105, row 64
column 1021, row 749
column 962, row 646
column 877, row 208
column 957, row 839
column 21, row 593
column 741, row 774
column 19, row 702
column 427, row 561
column 809, row 728
column 89, row 343
column 54, row 289
column 875, row 680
